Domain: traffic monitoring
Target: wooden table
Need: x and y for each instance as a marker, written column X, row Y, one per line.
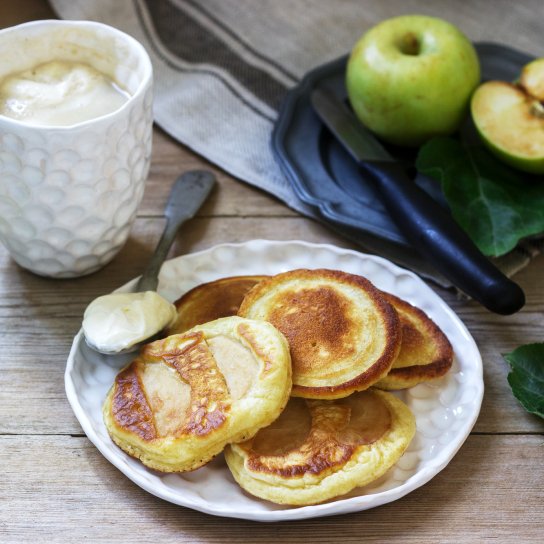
column 56, row 486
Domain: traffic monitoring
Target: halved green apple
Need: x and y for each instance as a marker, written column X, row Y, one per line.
column 532, row 78
column 510, row 118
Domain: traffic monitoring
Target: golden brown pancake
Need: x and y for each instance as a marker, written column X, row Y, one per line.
column 185, row 397
column 320, row 449
column 425, row 352
column 212, row 300
column 343, row 334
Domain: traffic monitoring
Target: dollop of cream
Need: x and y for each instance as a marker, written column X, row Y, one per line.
column 120, row 320
column 59, row 93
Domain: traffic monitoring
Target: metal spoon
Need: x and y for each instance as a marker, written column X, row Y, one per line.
column 188, row 194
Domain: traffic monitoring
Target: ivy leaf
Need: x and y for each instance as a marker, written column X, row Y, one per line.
column 526, row 377
column 496, row 205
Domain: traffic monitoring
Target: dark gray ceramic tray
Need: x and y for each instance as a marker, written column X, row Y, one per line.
column 321, row 172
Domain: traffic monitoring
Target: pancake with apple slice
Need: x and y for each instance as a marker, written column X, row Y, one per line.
column 186, row 396
column 320, row 449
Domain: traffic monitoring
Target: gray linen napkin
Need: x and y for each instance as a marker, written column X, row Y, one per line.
column 222, row 68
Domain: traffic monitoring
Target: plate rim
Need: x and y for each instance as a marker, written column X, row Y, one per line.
column 341, row 506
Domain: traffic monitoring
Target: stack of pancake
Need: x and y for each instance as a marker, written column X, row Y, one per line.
column 287, row 375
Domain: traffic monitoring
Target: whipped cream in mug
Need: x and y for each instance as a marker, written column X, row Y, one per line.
column 59, row 93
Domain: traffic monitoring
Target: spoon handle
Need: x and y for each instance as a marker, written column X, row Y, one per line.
column 188, row 194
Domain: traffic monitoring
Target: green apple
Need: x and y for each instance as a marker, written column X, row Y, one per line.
column 411, row 78
column 532, row 79
column 510, row 118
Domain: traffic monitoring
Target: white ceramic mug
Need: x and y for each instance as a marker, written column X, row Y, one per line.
column 69, row 194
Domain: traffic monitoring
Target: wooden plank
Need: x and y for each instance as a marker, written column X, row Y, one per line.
column 37, row 325
column 14, row 12
column 200, row 233
column 496, row 335
column 58, row 488
column 230, row 196
column 33, row 314
column 62, row 490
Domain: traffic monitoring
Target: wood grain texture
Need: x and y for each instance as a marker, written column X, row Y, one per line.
column 229, row 198
column 15, row 12
column 56, row 486
column 63, row 490
column 40, row 312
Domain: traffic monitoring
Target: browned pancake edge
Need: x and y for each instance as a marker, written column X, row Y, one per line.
column 212, row 300
column 426, row 330
column 302, row 339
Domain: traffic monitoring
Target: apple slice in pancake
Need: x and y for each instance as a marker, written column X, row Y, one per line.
column 320, row 449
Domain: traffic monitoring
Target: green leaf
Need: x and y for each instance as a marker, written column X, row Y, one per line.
column 526, row 377
column 493, row 203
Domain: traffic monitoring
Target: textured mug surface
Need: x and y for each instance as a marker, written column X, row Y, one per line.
column 69, row 194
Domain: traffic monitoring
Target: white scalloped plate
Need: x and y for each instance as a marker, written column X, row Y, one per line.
column 445, row 411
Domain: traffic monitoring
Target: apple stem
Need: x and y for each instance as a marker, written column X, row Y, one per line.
column 537, row 109
column 409, row 44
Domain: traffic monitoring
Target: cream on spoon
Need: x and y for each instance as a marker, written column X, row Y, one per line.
column 123, row 322
column 112, row 323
